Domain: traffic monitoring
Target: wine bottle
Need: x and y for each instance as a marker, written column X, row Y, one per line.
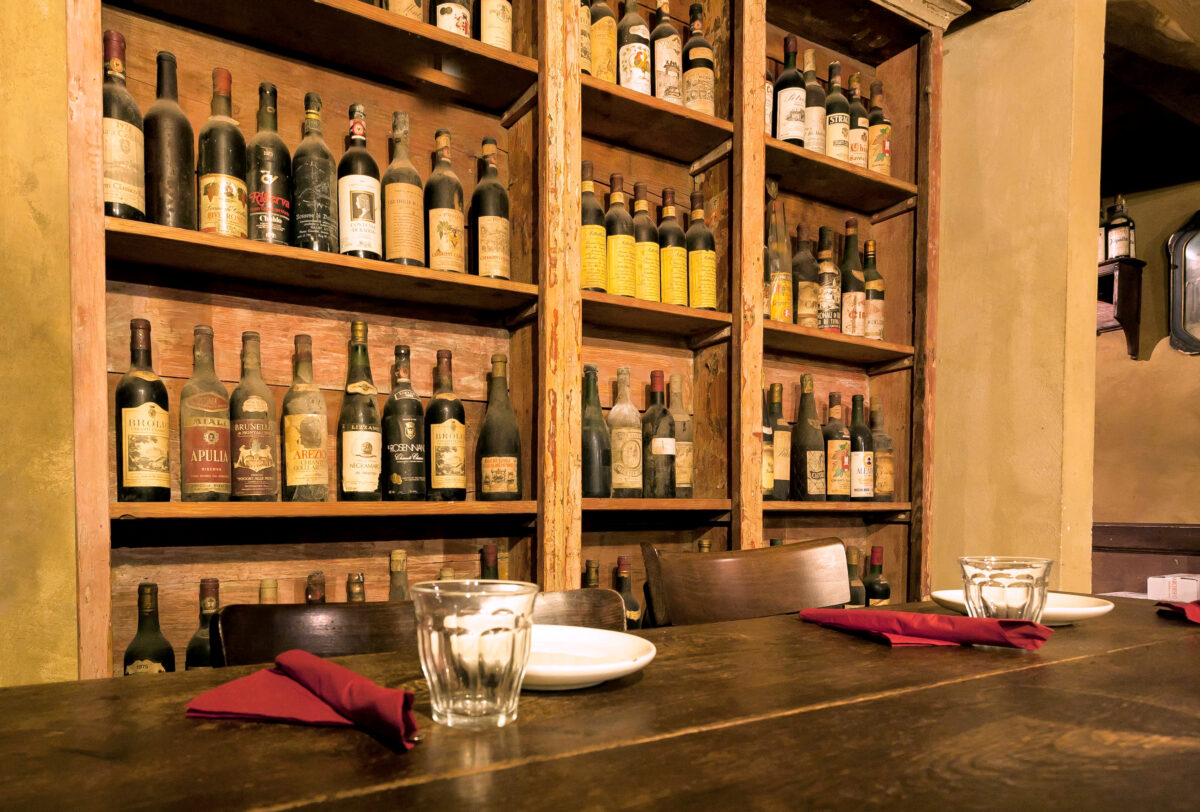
column 252, row 430
column 604, row 41
column 781, row 439
column 496, row 23
column 498, row 450
column 672, row 254
column 806, row 280
column 148, row 652
column 445, row 437
column 879, row 134
column 699, row 77
column 623, row 584
column 314, row 185
column 702, row 258
column 658, row 443
column 620, row 242
column 489, row 227
column 407, row 8
column 488, row 564
column 403, row 204
column 768, row 447
column 359, row 431
column 878, row 590
column 667, row 46
column 862, row 455
column 885, row 454
column 837, row 116
column 170, row 154
column 204, row 427
column 398, row 574
column 814, row 106
column 269, row 175
column 199, row 648
column 143, row 425
column 854, row 304
column 314, row 588
column 360, row 233
column 221, row 165
column 837, row 452
column 791, row 98
column 858, row 592
column 1120, row 231
column 625, row 431
column 453, row 15
column 597, row 448
column 268, row 591
column 356, row 588
column 684, row 438
column 591, row 574
column 859, row 123
column 594, row 258
column 122, row 138
column 778, row 268
column 305, row 459
column 633, row 50
column 808, row 448
column 646, row 250
column 769, row 98
column 585, row 37
column 1103, row 247
column 444, row 205
column 403, row 436
column 446, row 574
column 829, row 278
column 874, row 296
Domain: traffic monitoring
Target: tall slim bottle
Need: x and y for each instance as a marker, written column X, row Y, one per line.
column 814, row 106
column 269, row 175
column 221, row 165
column 702, row 258
column 790, row 97
column 595, row 253
column 604, row 41
column 123, row 144
column 360, row 226
column 633, row 50
column 304, row 432
column 403, row 435
column 829, row 278
column 667, row 47
column 885, row 454
column 874, row 296
column 398, row 589
column 808, row 448
column 778, row 270
column 498, row 450
column 658, row 443
column 684, row 438
column 360, row 432
column 148, row 652
column 672, row 254
column 854, row 298
column 143, row 425
column 488, row 222
column 620, row 242
column 585, row 37
column 314, row 185
column 403, row 202
column 879, row 134
column 204, row 427
column 699, row 74
column 625, row 431
column 859, row 123
column 444, row 208
column 170, row 154
column 806, row 279
column 255, row 458
column 445, row 437
column 597, row 448
column 199, row 648
column 837, row 116
column 862, row 456
column 781, row 439
column 837, row 452
column 646, row 250
column 768, row 447
column 495, row 23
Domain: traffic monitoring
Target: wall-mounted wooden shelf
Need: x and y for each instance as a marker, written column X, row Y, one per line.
column 791, row 339
column 656, row 505
column 654, row 320
column 810, row 174
column 872, row 31
column 122, row 511
column 847, row 508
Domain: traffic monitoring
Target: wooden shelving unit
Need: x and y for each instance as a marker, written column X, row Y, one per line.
column 804, row 172
column 186, row 511
column 780, row 337
column 670, row 322
column 845, row 508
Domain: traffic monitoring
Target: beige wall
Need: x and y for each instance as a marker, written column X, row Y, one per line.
column 37, row 531
column 1016, row 303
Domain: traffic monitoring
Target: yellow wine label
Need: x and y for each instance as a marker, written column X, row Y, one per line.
column 768, row 468
column 124, row 164
column 668, row 69
column 673, row 269
column 495, row 23
column 873, row 319
column 499, row 475
column 783, row 455
column 779, row 305
column 454, row 17
column 223, row 205
column 885, row 473
column 362, row 460
column 837, row 136
column 879, row 601
column 808, row 296
column 305, row 462
column 698, row 86
column 702, row 279
column 595, row 261
column 145, row 667
column 585, row 39
column 837, row 467
column 814, row 129
column 404, row 233
column 854, row 310
column 146, row 451
column 627, row 458
column 447, row 248
column 858, row 147
column 604, row 49
column 791, row 114
column 879, row 149
column 862, row 474
column 492, row 240
column 359, row 223
column 815, row 470
column 646, row 269
column 683, row 463
column 448, row 454
column 622, row 273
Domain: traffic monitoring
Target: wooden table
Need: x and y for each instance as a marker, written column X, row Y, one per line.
column 758, row 714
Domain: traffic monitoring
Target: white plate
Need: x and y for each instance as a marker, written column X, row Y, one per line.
column 563, row 658
column 1062, row 609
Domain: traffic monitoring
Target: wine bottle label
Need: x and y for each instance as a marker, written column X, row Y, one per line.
column 837, row 467
column 358, row 214
column 769, row 93
column 646, row 259
column 495, row 23
column 406, row 455
column 668, row 69
column 314, row 186
column 837, row 136
column 814, row 129
column 499, row 475
column 223, row 205
column 146, row 455
column 854, row 311
column 622, row 272
column 879, row 149
column 808, row 295
column 873, row 319
column 585, row 39
column 305, row 462
column 145, row 667
column 829, row 301
column 406, row 8
column 268, row 207
column 858, row 147
column 627, row 458
column 634, row 61
column 448, row 449
column 768, row 467
column 698, row 85
column 782, row 446
column 454, row 17
column 124, row 164
column 362, row 459
column 879, row 601
column 663, row 446
column 702, row 279
column 404, row 235
column 862, row 474
column 205, row 441
column 885, row 473
column 835, row 413
column 1118, row 242
column 447, row 251
column 253, row 444
column 493, row 242
column 604, row 49
column 792, row 115
column 595, row 263
column 815, row 470
column 683, row 463
column 674, row 272
column 780, row 301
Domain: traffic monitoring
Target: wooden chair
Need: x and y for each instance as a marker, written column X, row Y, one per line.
column 598, row 608
column 688, row 588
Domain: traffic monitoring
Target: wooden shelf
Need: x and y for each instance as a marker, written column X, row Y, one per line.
column 656, row 505
column 311, row 510
column 655, row 320
column 645, row 124
column 178, row 258
column 781, row 337
column 815, row 176
column 837, row 507
column 367, row 41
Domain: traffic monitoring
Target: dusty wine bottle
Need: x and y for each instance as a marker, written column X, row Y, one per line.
column 808, row 448
column 885, row 454
column 862, row 456
column 142, row 425
column 625, row 430
column 488, row 229
column 658, row 443
column 122, row 140
column 879, row 134
column 702, row 257
column 304, row 430
column 585, row 37
column 837, row 452
column 403, row 436
column 854, row 302
column 604, row 41
column 360, row 228
column 447, row 244
column 777, row 270
column 814, row 106
column 859, row 122
column 199, row 648
column 829, row 279
column 790, row 97
column 398, row 574
column 667, row 47
column 148, row 652
column 594, row 259
column 646, row 250
column 269, row 175
column 254, row 456
column 445, row 437
column 672, row 254
column 314, row 589
column 806, row 281
column 314, row 185
column 699, row 75
column 620, row 246
column 596, row 445
column 221, row 165
column 204, row 428
column 781, row 445
column 498, row 450
column 873, row 302
column 403, row 204
column 170, row 154
column 837, row 116
column 359, row 432
column 624, row 585
column 633, row 50
column 684, row 437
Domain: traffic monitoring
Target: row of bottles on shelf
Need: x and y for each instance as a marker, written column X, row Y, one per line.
column 229, row 443
column 826, row 120
column 154, row 170
column 628, row 255
column 655, row 62
column 1117, row 233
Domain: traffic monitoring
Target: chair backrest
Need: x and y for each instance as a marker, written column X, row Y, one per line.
column 598, row 608
column 245, row 634
column 709, row 587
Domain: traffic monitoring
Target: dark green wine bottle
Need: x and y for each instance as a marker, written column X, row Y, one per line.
column 790, row 98
column 403, row 436
column 488, row 564
column 621, row 243
column 314, row 185
column 143, row 425
column 808, row 448
column 360, row 432
column 658, row 443
column 221, row 164
column 837, row 117
column 623, row 584
column 360, row 209
column 862, row 456
column 498, row 451
column 859, row 122
column 487, row 220
column 837, row 452
column 781, row 444
column 305, row 432
column 269, row 175
column 148, row 652
column 597, row 446
column 594, row 273
column 403, row 202
column 199, row 649
column 170, row 154
column 124, row 151
column 445, row 437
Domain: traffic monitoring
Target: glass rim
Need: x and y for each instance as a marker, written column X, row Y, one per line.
column 472, row 587
column 1006, row 560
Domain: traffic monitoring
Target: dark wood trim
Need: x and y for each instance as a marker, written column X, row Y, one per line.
column 1167, row 539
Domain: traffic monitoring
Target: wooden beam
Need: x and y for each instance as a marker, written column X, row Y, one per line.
column 520, row 107
column 716, row 154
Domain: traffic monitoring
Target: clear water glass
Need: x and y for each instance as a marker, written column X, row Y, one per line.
column 474, row 639
column 1009, row 587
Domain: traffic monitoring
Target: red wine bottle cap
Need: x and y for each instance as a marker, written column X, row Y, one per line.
column 623, row 564
column 656, row 380
column 489, row 554
column 222, row 82
column 114, row 45
column 790, row 44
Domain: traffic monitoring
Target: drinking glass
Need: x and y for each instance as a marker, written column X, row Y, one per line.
column 474, row 639
column 1005, row 586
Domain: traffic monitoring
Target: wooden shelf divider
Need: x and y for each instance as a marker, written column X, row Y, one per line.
column 804, row 172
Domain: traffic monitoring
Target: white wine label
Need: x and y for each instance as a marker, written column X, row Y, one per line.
column 124, row 164
column 829, row 299
column 769, row 93
column 359, row 226
column 604, row 50
column 702, row 279
column 815, row 469
column 837, row 136
column 406, row 8
column 634, row 62
column 627, row 458
column 873, row 319
column 814, row 129
column 223, row 205
column 674, row 271
column 663, row 446
column 768, row 468
column 782, row 445
column 853, row 312
column 1118, row 242
column 698, row 86
column 792, row 114
column 885, row 473
column 879, row 149
column 837, row 467
column 495, row 23
column 858, row 147
column 305, row 462
column 499, row 474
column 362, row 460
column 448, row 454
column 145, row 667
column 404, row 233
column 668, row 69
column 807, row 298
column 454, row 17
column 585, row 39
column 683, row 463
column 493, row 244
column 146, row 455
column 595, row 261
column 646, row 262
column 862, row 474
column 622, row 270
column 447, row 248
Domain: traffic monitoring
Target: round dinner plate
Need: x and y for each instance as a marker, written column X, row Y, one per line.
column 1062, row 608
column 564, row 658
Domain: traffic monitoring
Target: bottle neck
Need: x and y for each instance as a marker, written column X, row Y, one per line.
column 835, row 411
column 400, row 149
column 789, row 61
column 443, row 378
column 148, row 617
column 675, row 398
column 591, row 392
column 657, row 397
column 851, row 250
column 442, row 157
column 312, row 124
column 202, row 357
column 498, row 389
column 808, row 407
column 624, row 584
column 168, row 87
column 490, row 170
column 856, row 413
column 139, row 358
column 401, row 375
column 302, row 369
column 775, row 410
column 623, row 389
column 877, row 419
column 222, row 105
column 268, row 118
column 360, row 365
column 251, row 361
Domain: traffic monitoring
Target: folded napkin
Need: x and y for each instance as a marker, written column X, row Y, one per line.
column 304, row 689
column 916, row 629
column 1188, row 611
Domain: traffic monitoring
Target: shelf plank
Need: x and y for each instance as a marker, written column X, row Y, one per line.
column 819, row 177
column 123, row 511
column 645, row 124
column 592, row 505
column 781, row 337
column 837, row 507
column 367, row 41
column 871, row 31
column 178, row 258
column 652, row 319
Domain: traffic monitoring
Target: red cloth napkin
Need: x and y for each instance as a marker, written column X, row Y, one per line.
column 304, row 689
column 916, row 629
column 1190, row 611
